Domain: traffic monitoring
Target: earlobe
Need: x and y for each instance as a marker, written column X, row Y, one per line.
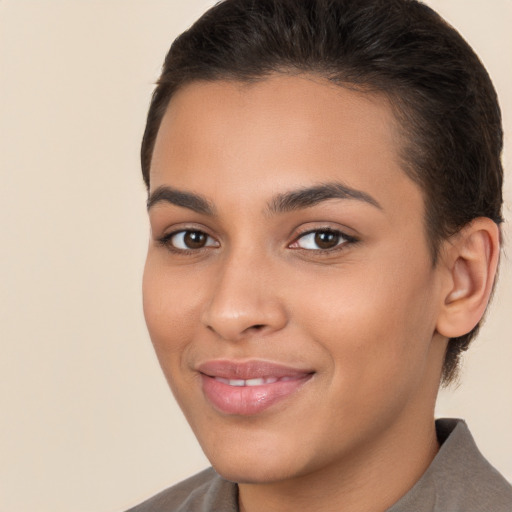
column 470, row 260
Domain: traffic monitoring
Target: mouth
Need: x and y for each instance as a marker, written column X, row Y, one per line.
column 249, row 388
column 258, row 381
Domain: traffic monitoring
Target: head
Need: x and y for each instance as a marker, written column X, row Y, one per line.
column 325, row 193
column 442, row 98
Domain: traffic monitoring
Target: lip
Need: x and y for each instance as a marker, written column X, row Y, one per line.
column 225, row 386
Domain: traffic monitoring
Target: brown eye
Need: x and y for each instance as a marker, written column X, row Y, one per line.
column 327, row 239
column 322, row 240
column 195, row 239
column 189, row 240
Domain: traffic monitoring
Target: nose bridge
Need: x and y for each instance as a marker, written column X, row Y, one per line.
column 244, row 298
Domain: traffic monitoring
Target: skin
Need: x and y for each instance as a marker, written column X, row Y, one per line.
column 363, row 316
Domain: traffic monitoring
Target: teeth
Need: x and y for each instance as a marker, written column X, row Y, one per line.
column 249, row 382
column 255, row 382
column 236, row 382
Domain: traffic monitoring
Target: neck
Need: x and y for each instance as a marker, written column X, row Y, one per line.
column 371, row 480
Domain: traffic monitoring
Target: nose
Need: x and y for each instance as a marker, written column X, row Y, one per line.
column 244, row 300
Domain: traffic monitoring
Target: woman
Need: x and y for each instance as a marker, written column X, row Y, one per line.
column 324, row 185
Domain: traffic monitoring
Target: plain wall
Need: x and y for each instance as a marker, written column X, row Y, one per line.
column 87, row 422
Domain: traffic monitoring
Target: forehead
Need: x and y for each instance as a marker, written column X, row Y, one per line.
column 282, row 131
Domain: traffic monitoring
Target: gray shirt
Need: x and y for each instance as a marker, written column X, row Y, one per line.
column 459, row 479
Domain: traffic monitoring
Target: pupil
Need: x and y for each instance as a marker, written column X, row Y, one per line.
column 326, row 239
column 194, row 239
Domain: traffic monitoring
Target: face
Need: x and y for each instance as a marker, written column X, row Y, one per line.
column 289, row 290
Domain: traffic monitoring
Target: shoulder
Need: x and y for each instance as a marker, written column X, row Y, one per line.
column 203, row 492
column 459, row 479
column 462, row 466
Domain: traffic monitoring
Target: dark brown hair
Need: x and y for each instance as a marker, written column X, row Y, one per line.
column 442, row 95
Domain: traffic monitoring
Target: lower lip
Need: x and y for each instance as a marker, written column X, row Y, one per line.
column 248, row 400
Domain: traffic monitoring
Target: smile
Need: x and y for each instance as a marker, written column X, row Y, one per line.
column 249, row 388
column 252, row 382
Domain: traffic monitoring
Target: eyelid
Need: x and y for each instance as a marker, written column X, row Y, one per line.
column 345, row 239
column 166, row 240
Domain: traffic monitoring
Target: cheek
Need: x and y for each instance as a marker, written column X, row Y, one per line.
column 378, row 321
column 170, row 305
column 375, row 332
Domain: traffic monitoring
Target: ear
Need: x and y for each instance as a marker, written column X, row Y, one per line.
column 470, row 260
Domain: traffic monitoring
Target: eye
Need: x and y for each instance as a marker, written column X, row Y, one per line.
column 321, row 239
column 187, row 240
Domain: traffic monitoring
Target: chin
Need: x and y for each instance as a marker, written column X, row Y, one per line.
column 263, row 464
column 261, row 473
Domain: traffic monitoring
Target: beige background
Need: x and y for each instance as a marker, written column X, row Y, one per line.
column 87, row 423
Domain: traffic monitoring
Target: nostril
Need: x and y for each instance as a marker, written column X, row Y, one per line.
column 255, row 327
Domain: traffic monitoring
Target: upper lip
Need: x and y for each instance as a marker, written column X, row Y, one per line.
column 245, row 370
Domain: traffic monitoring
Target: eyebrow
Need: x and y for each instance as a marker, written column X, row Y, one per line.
column 194, row 202
column 311, row 196
column 286, row 202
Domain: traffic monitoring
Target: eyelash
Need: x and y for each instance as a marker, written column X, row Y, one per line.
column 341, row 245
column 166, row 241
